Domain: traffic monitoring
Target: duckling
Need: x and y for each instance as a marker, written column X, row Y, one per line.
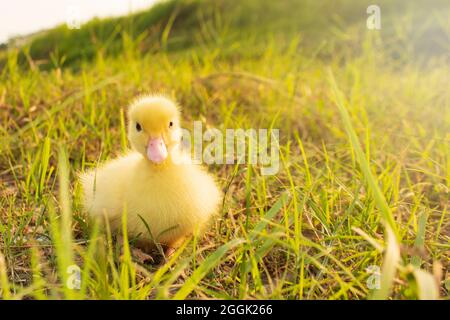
column 175, row 198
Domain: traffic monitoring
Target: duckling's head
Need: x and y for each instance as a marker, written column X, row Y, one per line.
column 153, row 128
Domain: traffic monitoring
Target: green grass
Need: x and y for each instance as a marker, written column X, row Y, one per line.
column 364, row 119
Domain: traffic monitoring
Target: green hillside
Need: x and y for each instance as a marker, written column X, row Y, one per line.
column 228, row 25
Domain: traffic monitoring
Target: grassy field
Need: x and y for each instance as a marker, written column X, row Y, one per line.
column 364, row 119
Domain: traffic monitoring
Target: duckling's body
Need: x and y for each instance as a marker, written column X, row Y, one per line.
column 175, row 199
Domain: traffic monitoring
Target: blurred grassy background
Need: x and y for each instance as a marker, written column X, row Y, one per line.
column 314, row 228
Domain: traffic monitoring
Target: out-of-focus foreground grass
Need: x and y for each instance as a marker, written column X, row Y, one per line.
column 364, row 120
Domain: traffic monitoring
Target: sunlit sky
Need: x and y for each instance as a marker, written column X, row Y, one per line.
column 20, row 17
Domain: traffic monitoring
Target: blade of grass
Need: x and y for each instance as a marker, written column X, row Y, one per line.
column 391, row 259
column 44, row 165
column 212, row 261
column 362, row 160
column 392, row 254
column 426, row 285
column 89, row 258
column 38, row 280
column 4, row 283
column 420, row 239
column 62, row 230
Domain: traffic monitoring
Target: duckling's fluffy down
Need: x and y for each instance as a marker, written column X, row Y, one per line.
column 175, row 200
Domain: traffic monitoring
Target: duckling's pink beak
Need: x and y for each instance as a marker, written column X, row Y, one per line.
column 156, row 150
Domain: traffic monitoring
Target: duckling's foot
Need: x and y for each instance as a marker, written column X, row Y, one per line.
column 140, row 256
column 170, row 248
column 136, row 254
column 169, row 251
column 166, row 254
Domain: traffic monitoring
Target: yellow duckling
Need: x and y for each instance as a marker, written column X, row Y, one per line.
column 175, row 198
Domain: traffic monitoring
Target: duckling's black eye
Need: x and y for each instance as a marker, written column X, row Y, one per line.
column 170, row 124
column 138, row 126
